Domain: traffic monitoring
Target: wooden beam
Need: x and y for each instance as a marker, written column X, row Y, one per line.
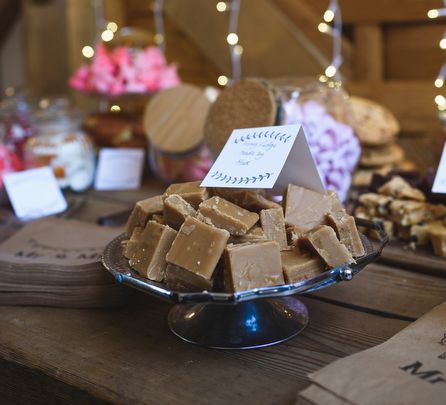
column 369, row 63
column 273, row 46
column 9, row 12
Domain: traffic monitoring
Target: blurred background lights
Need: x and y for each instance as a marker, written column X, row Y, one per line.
column 222, row 80
column 115, row 108
column 232, row 38
column 88, row 51
column 439, row 82
column 329, row 16
column 433, row 13
column 221, row 6
column 238, row 49
column 112, row 26
column 107, row 35
column 440, row 100
column 330, row 71
column 323, row 27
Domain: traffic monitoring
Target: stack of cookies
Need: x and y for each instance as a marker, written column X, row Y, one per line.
column 377, row 130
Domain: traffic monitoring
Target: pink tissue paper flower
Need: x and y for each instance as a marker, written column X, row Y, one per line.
column 334, row 146
column 125, row 70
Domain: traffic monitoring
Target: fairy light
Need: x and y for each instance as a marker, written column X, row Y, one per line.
column 112, row 26
column 115, row 108
column 232, row 38
column 324, row 28
column 88, row 51
column 159, row 38
column 329, row 15
column 107, row 35
column 222, row 80
column 333, row 15
column 439, row 99
column 238, row 49
column 221, row 6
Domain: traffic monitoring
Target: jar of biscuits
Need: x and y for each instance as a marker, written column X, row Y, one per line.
column 60, row 143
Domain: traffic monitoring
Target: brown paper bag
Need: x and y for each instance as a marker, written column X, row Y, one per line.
column 410, row 368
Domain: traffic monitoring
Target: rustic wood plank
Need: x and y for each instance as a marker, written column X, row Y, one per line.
column 389, row 290
column 129, row 355
column 398, row 254
column 369, row 62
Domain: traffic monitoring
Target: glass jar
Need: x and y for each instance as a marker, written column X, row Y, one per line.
column 59, row 142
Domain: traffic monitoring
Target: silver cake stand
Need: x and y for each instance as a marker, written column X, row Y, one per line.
column 242, row 320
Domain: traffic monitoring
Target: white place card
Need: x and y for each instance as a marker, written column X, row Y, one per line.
column 34, row 193
column 267, row 157
column 119, row 169
column 439, row 185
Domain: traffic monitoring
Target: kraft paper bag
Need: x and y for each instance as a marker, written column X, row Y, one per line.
column 410, row 368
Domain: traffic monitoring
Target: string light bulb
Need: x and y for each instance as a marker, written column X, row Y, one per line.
column 232, row 38
column 158, row 39
column 221, row 6
column 222, row 80
column 440, row 100
column 433, row 13
column 443, row 43
column 238, row 49
column 329, row 15
column 112, row 26
column 107, row 35
column 330, row 71
column 115, row 108
column 439, row 82
column 88, row 51
column 324, row 28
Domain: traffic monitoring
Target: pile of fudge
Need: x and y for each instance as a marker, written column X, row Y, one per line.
column 223, row 239
column 406, row 214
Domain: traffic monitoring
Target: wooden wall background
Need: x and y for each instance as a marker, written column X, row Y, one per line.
column 390, row 47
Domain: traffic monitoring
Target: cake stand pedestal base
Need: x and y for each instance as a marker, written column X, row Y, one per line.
column 246, row 325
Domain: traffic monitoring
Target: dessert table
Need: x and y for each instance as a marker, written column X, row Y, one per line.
column 128, row 354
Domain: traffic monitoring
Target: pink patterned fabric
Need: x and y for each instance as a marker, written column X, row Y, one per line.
column 334, row 146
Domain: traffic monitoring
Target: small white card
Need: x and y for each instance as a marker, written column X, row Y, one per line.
column 267, row 157
column 119, row 169
column 34, row 193
column 439, row 185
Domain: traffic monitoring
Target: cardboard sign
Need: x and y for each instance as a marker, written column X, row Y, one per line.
column 34, row 193
column 266, row 157
column 439, row 185
column 119, row 169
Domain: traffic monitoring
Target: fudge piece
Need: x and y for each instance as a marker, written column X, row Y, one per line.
column 335, row 201
column 142, row 212
column 180, row 279
column 438, row 240
column 437, row 211
column 401, row 189
column 375, row 204
column 323, row 241
column 402, row 231
column 345, row 228
column 273, row 224
column 191, row 192
column 226, row 215
column 255, row 234
column 305, row 208
column 198, row 247
column 131, row 245
column 251, row 199
column 253, row 266
column 176, row 210
column 409, row 212
column 298, row 266
column 420, row 234
column 149, row 259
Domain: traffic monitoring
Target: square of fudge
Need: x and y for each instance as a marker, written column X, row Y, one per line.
column 298, row 265
column 323, row 241
column 176, row 210
column 347, row 232
column 180, row 279
column 130, row 246
column 253, row 265
column 198, row 247
column 273, row 224
column 305, row 208
column 149, row 258
column 190, row 191
column 142, row 212
column 226, row 215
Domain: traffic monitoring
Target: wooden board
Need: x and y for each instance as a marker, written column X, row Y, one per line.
column 422, row 259
column 130, row 356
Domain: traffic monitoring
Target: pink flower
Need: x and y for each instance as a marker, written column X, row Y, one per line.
column 169, row 77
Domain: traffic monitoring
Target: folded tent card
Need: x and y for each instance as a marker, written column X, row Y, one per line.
column 266, row 157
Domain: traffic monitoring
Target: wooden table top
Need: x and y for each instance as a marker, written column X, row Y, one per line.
column 128, row 355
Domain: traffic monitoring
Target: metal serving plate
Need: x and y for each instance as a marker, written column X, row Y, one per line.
column 117, row 264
